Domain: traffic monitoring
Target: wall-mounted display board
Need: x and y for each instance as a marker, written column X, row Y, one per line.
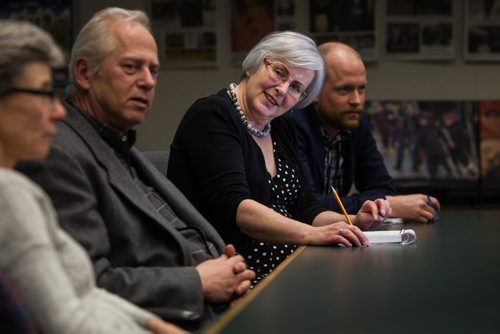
column 448, row 148
column 419, row 30
column 427, row 140
column 185, row 32
column 348, row 21
column 482, row 30
column 253, row 19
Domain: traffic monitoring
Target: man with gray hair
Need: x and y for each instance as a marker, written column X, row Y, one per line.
column 148, row 244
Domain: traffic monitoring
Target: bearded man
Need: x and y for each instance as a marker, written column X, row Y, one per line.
column 338, row 148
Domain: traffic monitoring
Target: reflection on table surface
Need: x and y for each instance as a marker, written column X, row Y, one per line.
column 449, row 282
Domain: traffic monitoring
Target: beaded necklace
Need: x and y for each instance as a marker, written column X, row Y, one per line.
column 252, row 130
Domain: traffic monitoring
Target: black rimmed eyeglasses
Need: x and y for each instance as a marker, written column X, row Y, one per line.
column 50, row 93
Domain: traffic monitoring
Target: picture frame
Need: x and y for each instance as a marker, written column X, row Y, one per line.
column 186, row 32
column 482, row 30
column 350, row 22
column 254, row 19
column 426, row 143
column 419, row 30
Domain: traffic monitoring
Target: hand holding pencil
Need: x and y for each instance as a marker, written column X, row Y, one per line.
column 371, row 214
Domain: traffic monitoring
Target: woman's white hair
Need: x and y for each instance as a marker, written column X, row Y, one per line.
column 292, row 48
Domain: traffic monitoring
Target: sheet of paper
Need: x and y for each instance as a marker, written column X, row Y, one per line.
column 391, row 220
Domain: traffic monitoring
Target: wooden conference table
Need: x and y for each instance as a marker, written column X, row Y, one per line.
column 448, row 282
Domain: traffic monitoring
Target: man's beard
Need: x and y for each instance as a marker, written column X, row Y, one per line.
column 340, row 120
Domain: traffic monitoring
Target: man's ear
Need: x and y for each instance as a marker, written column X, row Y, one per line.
column 82, row 73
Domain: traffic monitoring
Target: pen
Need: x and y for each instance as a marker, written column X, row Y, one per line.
column 436, row 212
column 341, row 205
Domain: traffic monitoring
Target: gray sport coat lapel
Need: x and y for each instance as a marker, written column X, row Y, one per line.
column 119, row 178
column 117, row 174
column 177, row 201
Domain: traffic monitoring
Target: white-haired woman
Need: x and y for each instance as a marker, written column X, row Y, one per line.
column 51, row 272
column 234, row 156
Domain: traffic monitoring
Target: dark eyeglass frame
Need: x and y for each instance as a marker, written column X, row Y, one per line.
column 273, row 66
column 52, row 93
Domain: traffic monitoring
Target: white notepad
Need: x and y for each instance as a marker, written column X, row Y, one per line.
column 403, row 237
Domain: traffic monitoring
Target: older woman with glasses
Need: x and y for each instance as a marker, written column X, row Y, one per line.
column 51, row 272
column 234, row 156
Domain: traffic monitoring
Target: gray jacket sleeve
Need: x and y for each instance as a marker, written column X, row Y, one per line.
column 131, row 254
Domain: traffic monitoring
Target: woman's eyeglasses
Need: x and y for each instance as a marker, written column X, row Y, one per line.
column 52, row 94
column 280, row 74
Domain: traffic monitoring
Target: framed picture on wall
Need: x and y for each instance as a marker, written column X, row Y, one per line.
column 351, row 22
column 482, row 30
column 251, row 20
column 185, row 31
column 428, row 143
column 54, row 16
column 419, row 30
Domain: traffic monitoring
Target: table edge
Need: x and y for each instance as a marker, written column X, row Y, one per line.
column 219, row 324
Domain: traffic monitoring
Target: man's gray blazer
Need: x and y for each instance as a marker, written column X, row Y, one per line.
column 135, row 254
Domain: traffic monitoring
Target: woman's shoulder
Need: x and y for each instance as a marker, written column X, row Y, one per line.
column 20, row 208
column 11, row 179
column 218, row 100
column 211, row 108
column 17, row 190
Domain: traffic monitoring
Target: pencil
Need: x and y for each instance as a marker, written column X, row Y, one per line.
column 341, row 205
